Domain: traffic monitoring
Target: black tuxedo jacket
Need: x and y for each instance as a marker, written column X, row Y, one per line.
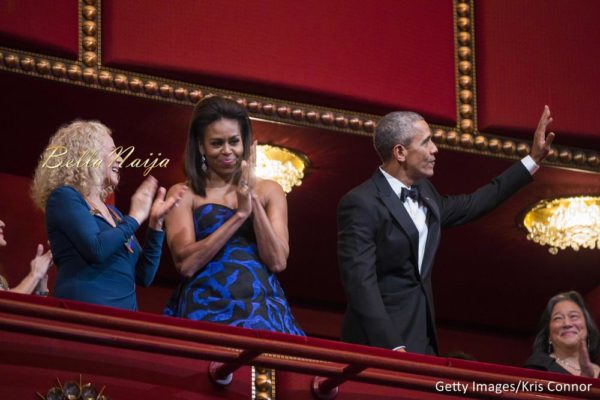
column 390, row 303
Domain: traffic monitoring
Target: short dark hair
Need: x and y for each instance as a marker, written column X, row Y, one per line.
column 207, row 111
column 394, row 128
column 541, row 342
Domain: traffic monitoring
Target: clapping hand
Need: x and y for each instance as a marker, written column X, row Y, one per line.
column 141, row 201
column 247, row 183
column 41, row 263
column 586, row 365
column 161, row 207
column 540, row 147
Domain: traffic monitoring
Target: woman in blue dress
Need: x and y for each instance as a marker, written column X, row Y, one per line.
column 97, row 255
column 229, row 236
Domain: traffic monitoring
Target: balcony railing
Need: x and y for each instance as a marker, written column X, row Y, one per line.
column 71, row 334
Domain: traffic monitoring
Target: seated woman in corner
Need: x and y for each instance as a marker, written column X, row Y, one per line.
column 37, row 279
column 567, row 340
column 97, row 255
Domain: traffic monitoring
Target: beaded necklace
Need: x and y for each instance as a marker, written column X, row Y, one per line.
column 566, row 363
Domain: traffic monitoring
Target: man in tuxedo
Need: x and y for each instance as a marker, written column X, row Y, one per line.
column 389, row 231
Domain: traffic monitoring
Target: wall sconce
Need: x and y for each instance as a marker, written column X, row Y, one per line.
column 565, row 222
column 282, row 165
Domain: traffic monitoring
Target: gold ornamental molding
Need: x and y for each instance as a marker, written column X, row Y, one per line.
column 88, row 71
column 73, row 390
column 157, row 88
column 464, row 58
column 509, row 148
column 466, row 136
column 89, row 32
column 263, row 383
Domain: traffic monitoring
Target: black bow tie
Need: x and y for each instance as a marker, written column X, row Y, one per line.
column 413, row 193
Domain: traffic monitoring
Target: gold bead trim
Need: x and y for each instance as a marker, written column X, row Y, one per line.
column 464, row 37
column 263, row 383
column 119, row 81
column 500, row 147
column 89, row 33
column 111, row 79
column 464, row 137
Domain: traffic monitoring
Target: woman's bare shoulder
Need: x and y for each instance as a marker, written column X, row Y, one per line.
column 268, row 186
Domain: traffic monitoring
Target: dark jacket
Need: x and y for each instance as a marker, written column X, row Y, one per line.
column 389, row 302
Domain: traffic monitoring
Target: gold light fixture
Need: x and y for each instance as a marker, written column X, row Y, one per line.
column 282, row 165
column 565, row 222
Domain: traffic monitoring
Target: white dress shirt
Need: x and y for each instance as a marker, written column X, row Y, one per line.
column 416, row 210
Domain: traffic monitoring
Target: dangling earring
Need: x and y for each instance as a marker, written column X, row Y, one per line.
column 550, row 349
column 204, row 163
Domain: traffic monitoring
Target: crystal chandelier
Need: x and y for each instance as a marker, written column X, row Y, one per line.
column 282, row 165
column 565, row 222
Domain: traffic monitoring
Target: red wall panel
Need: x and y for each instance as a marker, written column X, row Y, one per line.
column 531, row 53
column 47, row 27
column 388, row 55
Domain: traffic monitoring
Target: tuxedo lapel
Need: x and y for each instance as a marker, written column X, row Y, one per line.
column 433, row 227
column 427, row 199
column 396, row 208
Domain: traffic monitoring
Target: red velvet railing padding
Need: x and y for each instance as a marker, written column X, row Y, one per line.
column 32, row 363
column 46, row 27
column 367, row 56
column 531, row 53
column 139, row 334
column 292, row 386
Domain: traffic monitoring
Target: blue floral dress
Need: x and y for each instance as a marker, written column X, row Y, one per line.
column 235, row 287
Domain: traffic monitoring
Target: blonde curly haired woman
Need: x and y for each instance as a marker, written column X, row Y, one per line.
column 95, row 250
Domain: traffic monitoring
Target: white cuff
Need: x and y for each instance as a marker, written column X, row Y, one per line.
column 531, row 166
column 399, row 348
